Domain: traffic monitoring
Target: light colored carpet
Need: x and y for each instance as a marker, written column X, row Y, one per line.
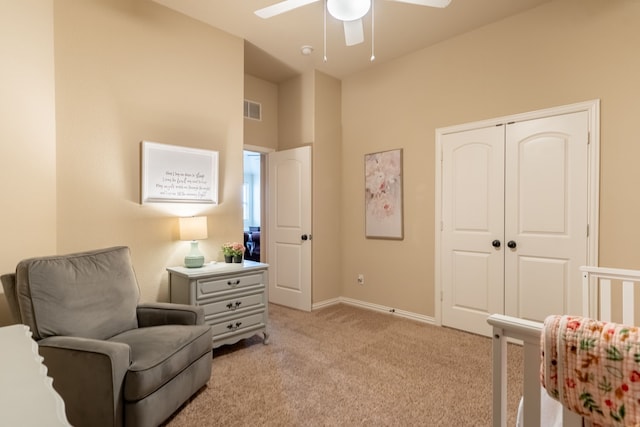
column 347, row 366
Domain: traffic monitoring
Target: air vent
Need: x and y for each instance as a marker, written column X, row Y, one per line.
column 252, row 110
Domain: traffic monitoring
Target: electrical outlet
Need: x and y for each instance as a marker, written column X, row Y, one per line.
column 360, row 279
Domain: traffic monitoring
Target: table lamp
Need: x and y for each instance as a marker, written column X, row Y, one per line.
column 193, row 228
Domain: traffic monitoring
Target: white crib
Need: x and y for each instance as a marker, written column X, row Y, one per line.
column 605, row 291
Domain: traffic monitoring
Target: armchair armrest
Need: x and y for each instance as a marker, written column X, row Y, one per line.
column 89, row 376
column 163, row 313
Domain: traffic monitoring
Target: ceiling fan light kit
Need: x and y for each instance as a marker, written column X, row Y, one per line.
column 350, row 12
column 346, row 10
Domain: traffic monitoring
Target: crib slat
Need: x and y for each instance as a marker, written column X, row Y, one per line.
column 628, row 297
column 531, row 392
column 605, row 300
column 587, row 301
column 499, row 378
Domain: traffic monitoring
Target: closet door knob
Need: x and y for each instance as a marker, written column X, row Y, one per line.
column 495, row 243
column 512, row 244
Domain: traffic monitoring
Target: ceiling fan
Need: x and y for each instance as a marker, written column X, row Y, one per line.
column 348, row 11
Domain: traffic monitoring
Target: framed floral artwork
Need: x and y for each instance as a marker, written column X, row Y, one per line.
column 383, row 195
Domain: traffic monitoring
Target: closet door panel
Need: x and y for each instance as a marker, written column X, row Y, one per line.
column 473, row 217
column 538, row 278
column 542, row 182
column 545, row 215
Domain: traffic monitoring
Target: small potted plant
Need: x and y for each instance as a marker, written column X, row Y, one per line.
column 233, row 251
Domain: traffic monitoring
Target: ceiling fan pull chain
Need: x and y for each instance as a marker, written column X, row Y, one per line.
column 325, row 31
column 373, row 20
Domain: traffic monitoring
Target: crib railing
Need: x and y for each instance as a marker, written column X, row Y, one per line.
column 598, row 286
column 598, row 302
column 527, row 331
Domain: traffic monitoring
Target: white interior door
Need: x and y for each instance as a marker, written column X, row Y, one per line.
column 289, row 254
column 472, row 219
column 546, row 212
column 514, row 210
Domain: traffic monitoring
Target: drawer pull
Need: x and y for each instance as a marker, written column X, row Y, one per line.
column 232, row 306
column 233, row 283
column 232, row 326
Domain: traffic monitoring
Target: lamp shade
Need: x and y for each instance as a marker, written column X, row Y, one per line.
column 193, row 228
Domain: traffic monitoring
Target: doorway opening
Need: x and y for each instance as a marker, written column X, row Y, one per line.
column 252, row 203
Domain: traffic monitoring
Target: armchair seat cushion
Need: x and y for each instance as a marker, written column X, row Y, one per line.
column 159, row 354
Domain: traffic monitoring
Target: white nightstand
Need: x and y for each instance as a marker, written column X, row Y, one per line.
column 234, row 297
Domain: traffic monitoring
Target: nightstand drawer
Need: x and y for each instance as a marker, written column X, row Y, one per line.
column 206, row 287
column 234, row 297
column 234, row 304
column 237, row 324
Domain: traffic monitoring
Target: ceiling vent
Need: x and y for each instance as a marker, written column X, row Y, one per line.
column 252, row 110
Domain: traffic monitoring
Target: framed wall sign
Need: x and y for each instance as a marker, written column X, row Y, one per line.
column 383, row 195
column 173, row 174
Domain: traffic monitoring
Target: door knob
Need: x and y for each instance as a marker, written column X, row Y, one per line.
column 304, row 237
column 512, row 244
column 495, row 243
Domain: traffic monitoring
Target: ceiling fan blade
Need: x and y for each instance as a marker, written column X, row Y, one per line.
column 282, row 7
column 353, row 32
column 430, row 3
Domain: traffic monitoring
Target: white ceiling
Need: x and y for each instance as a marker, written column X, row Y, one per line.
column 273, row 45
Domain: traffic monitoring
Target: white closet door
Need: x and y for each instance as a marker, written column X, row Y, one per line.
column 524, row 184
column 546, row 215
column 472, row 218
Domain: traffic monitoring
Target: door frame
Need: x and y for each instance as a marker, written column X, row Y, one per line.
column 592, row 107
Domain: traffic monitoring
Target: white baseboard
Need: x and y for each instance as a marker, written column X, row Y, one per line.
column 325, row 303
column 375, row 307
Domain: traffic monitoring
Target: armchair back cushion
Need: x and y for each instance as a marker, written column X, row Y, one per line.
column 91, row 295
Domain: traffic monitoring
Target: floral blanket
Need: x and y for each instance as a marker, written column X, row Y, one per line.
column 593, row 368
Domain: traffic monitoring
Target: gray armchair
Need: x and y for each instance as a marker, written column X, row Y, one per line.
column 114, row 362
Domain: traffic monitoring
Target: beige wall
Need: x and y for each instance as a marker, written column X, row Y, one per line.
column 27, row 134
column 128, row 71
column 296, row 111
column 563, row 52
column 125, row 71
column 262, row 133
column 327, row 173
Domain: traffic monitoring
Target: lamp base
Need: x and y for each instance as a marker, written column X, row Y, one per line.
column 194, row 258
